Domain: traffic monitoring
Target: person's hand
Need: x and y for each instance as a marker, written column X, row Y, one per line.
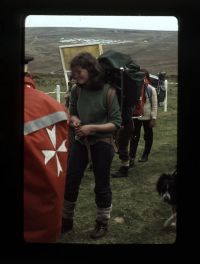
column 152, row 123
column 85, row 130
column 75, row 121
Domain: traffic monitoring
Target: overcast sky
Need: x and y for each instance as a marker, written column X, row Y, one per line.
column 124, row 22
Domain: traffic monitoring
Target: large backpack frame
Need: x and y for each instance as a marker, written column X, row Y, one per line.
column 124, row 74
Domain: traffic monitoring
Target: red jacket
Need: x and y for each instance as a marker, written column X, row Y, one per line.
column 46, row 125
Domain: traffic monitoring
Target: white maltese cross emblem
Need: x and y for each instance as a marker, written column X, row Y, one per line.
column 49, row 154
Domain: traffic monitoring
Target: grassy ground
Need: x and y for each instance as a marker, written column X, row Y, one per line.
column 134, row 198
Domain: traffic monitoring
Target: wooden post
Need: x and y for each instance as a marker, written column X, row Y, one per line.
column 58, row 93
column 165, row 102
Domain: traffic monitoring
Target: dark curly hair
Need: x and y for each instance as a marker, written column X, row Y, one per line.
column 87, row 61
column 146, row 74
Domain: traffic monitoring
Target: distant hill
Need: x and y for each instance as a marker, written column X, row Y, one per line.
column 154, row 50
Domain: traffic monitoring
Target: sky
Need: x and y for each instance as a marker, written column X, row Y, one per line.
column 121, row 22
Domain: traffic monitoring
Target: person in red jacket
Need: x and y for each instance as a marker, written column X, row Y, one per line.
column 46, row 125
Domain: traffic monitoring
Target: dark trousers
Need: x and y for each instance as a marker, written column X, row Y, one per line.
column 102, row 154
column 148, row 137
column 123, row 139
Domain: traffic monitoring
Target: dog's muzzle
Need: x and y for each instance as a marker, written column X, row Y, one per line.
column 166, row 196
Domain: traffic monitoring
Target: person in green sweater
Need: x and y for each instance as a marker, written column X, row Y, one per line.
column 94, row 121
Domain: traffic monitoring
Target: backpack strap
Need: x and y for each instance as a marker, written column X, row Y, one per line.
column 110, row 95
column 149, row 92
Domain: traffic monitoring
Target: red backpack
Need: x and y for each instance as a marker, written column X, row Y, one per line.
column 46, row 126
column 139, row 106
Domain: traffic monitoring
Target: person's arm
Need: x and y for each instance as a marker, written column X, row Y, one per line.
column 92, row 129
column 75, row 121
column 73, row 102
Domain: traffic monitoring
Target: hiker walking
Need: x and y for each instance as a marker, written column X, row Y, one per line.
column 144, row 114
column 123, row 139
column 94, row 122
column 148, row 121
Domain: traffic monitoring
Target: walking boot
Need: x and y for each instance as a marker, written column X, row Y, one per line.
column 144, row 158
column 122, row 172
column 131, row 163
column 102, row 218
column 100, row 230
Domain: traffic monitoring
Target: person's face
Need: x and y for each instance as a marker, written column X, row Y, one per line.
column 146, row 80
column 80, row 75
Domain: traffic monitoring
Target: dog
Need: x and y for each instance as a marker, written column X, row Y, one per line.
column 166, row 188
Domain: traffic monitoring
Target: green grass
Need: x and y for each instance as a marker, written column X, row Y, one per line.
column 135, row 197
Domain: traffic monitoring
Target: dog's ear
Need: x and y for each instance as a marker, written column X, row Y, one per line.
column 160, row 182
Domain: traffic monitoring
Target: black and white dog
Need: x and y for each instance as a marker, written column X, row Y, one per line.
column 166, row 188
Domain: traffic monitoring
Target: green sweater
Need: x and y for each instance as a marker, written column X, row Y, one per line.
column 91, row 108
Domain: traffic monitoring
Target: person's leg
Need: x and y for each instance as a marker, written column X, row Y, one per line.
column 77, row 163
column 135, row 137
column 148, row 138
column 123, row 142
column 102, row 155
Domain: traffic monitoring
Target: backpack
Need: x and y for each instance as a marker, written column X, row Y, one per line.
column 139, row 106
column 124, row 74
column 161, row 90
column 159, row 83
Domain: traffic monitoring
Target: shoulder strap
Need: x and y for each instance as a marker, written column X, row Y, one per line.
column 110, row 95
